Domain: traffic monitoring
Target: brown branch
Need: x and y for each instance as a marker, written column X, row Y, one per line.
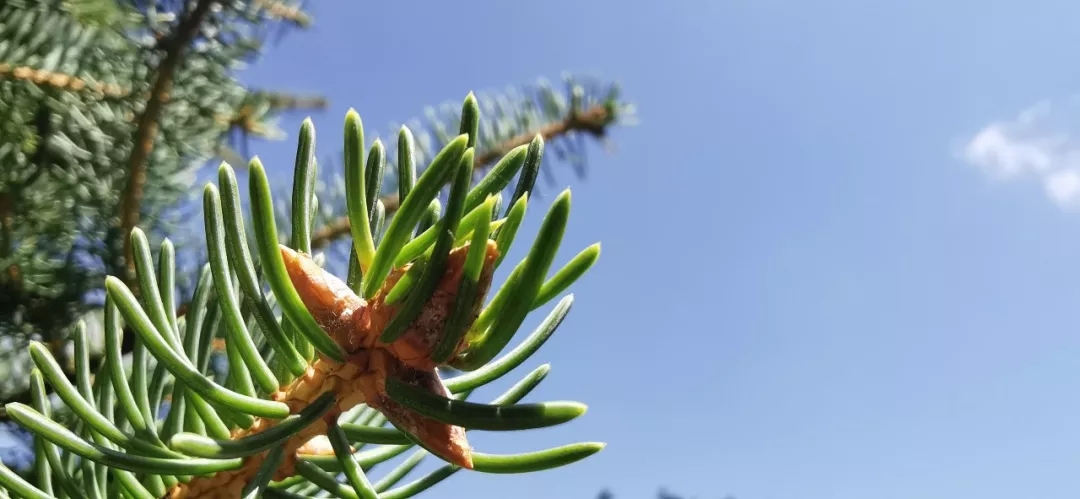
column 148, row 122
column 246, row 120
column 60, row 81
column 292, row 102
column 279, row 10
column 593, row 121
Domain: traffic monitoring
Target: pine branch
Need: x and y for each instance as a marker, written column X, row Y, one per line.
column 290, row 102
column 148, row 121
column 59, row 81
column 593, row 120
column 304, row 392
column 250, row 117
column 55, row 64
column 280, row 10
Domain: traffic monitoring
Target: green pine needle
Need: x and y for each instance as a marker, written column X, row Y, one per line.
column 118, row 445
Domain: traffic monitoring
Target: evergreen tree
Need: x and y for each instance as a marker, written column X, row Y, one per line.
column 110, row 108
column 306, row 391
column 107, row 110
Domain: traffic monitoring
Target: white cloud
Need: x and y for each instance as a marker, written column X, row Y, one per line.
column 1037, row 143
column 1063, row 186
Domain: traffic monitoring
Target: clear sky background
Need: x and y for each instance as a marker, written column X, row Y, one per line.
column 840, row 257
column 840, row 252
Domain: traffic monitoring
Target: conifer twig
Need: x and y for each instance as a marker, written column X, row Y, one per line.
column 593, row 120
column 148, row 121
column 59, row 80
column 280, row 10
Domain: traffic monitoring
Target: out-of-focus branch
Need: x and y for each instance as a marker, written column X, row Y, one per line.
column 147, row 125
column 7, row 229
column 593, row 120
column 280, row 10
column 282, row 101
column 59, row 81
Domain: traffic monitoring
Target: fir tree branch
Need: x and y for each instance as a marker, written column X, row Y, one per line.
column 289, row 13
column 281, row 101
column 59, row 80
column 248, row 118
column 593, row 120
column 147, row 125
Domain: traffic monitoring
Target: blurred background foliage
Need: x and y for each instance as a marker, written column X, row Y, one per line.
column 661, row 494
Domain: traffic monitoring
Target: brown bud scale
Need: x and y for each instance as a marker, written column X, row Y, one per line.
column 356, row 325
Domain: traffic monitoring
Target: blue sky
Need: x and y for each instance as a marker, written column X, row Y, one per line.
column 839, row 251
column 818, row 289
